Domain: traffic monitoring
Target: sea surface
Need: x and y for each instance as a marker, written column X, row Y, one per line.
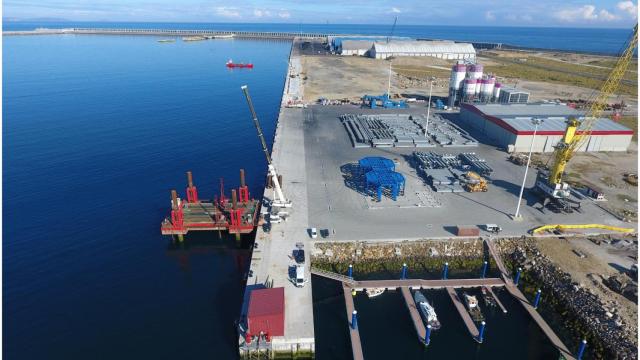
column 96, row 131
column 602, row 41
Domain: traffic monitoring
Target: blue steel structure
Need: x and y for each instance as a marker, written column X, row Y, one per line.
column 371, row 101
column 370, row 163
column 381, row 179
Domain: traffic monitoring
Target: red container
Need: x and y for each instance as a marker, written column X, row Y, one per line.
column 266, row 312
column 467, row 231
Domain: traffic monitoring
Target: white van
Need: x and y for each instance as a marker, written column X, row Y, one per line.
column 299, row 280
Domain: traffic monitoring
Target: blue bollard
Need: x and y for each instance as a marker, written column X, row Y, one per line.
column 427, row 338
column 481, row 335
column 350, row 273
column 484, row 269
column 403, row 274
column 537, row 301
column 517, row 280
column 445, row 270
column 583, row 346
column 354, row 320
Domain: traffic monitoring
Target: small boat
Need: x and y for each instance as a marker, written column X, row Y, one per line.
column 488, row 299
column 230, row 36
column 373, row 292
column 231, row 64
column 427, row 310
column 166, row 40
column 193, row 38
column 473, row 307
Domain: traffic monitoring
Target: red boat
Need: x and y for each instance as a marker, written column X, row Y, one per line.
column 231, row 64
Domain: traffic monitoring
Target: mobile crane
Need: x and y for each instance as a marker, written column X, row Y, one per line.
column 278, row 197
column 578, row 131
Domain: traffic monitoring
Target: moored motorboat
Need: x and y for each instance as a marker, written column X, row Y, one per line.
column 231, row 64
column 473, row 307
column 427, row 310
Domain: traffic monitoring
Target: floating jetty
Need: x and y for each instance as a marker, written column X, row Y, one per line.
column 238, row 215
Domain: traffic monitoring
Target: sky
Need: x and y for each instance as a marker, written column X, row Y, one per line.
column 570, row 13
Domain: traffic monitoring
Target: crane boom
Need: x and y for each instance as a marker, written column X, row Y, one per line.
column 278, row 198
column 578, row 132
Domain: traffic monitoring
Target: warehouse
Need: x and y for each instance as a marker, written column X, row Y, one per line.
column 355, row 47
column 510, row 126
column 439, row 49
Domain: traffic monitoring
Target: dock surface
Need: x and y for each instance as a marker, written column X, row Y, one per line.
column 356, row 345
column 466, row 318
column 421, row 330
column 495, row 297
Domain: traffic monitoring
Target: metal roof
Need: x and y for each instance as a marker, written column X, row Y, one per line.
column 266, row 302
column 449, row 47
column 517, row 117
column 357, row 44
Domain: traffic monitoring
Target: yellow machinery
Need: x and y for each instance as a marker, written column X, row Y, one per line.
column 475, row 182
column 577, row 132
column 584, row 226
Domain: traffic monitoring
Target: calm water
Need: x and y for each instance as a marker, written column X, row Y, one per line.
column 387, row 331
column 606, row 41
column 97, row 130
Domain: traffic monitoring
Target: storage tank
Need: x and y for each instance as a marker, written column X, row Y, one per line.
column 479, row 86
column 496, row 91
column 487, row 88
column 470, row 89
column 458, row 72
column 475, row 71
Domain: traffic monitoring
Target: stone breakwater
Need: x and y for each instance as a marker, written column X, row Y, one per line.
column 583, row 312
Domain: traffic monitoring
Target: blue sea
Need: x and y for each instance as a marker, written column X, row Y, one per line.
column 602, row 41
column 97, row 130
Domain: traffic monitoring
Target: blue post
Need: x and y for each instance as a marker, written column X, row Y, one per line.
column 427, row 338
column 484, row 269
column 583, row 345
column 350, row 273
column 403, row 274
column 517, row 277
column 354, row 320
column 445, row 270
column 481, row 335
column 535, row 303
column 379, row 193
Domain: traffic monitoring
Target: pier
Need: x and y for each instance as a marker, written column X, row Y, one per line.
column 354, row 333
column 468, row 322
column 421, row 330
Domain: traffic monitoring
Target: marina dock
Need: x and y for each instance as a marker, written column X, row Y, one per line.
column 495, row 297
column 468, row 322
column 421, row 330
column 356, row 345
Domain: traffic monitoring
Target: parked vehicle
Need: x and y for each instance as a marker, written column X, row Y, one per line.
column 313, row 232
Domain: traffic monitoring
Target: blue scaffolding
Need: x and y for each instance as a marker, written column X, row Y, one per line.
column 371, row 101
column 376, row 163
column 385, row 179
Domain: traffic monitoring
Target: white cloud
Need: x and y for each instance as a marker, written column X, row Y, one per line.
column 284, row 14
column 261, row 13
column 585, row 12
column 629, row 7
column 395, row 10
column 229, row 12
column 489, row 16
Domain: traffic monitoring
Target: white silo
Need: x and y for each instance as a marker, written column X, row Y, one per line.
column 479, row 85
column 487, row 89
column 470, row 89
column 458, row 72
column 496, row 91
column 475, row 71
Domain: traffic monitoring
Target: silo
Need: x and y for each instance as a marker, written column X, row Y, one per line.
column 479, row 85
column 487, row 89
column 496, row 91
column 470, row 89
column 475, row 71
column 458, row 72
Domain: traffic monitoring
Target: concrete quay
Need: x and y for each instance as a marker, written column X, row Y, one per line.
column 272, row 259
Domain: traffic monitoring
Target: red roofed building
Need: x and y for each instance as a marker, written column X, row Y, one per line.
column 266, row 313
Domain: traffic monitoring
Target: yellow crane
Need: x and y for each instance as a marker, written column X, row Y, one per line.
column 577, row 131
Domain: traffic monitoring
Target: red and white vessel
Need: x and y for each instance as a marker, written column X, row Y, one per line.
column 231, row 64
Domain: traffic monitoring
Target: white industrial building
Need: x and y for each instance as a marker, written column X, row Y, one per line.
column 355, row 47
column 511, row 127
column 439, row 49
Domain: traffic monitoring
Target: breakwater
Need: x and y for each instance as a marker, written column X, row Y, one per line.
column 173, row 32
column 573, row 308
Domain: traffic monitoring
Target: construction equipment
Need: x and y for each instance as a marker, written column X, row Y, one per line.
column 393, row 28
column 475, row 182
column 371, row 101
column 278, row 197
column 578, row 131
column 519, row 159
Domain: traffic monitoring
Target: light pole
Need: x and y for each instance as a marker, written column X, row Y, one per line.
column 536, row 122
column 426, row 127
